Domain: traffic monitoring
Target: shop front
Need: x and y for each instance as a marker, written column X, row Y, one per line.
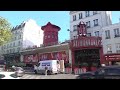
column 112, row 59
column 59, row 55
column 55, row 52
column 30, row 59
column 87, row 52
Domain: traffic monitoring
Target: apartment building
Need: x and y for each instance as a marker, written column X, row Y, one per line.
column 27, row 34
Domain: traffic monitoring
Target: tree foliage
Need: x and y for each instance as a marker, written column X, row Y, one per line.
column 5, row 31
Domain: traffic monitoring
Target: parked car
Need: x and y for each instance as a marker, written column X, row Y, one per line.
column 2, row 68
column 19, row 71
column 106, row 72
column 8, row 75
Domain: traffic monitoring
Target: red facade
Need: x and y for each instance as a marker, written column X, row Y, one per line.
column 60, row 55
column 112, row 58
column 31, row 58
column 82, row 42
column 50, row 34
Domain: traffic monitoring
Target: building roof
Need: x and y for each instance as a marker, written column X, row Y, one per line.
column 18, row 26
column 49, row 24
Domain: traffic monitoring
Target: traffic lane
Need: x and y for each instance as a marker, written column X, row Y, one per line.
column 58, row 76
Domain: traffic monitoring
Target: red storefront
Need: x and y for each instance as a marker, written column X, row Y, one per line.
column 60, row 55
column 50, row 53
column 112, row 59
column 86, row 49
column 31, row 59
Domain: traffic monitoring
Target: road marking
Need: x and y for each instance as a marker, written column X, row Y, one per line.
column 26, row 77
column 37, row 77
column 59, row 76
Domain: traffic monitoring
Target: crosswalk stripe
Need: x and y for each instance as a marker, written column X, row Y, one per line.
column 23, row 76
column 37, row 77
column 32, row 77
column 26, row 77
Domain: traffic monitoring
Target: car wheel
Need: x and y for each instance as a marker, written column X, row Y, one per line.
column 35, row 72
column 48, row 72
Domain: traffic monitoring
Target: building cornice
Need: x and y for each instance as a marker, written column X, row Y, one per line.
column 71, row 12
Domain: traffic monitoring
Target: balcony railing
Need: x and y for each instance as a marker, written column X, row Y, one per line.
column 86, row 41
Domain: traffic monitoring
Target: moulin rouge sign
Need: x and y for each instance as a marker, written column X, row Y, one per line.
column 54, row 55
column 46, row 56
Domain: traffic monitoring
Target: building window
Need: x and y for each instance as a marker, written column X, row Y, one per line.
column 87, row 13
column 75, row 28
column 7, row 51
column 95, row 22
column 116, row 32
column 14, row 44
column 117, row 47
column 20, row 36
column 53, row 36
column 74, row 17
column 7, row 45
column 80, row 15
column 97, row 33
column 18, row 49
column 109, row 48
column 45, row 37
column 88, row 24
column 48, row 36
column 4, row 46
column 19, row 43
column 107, row 34
column 13, row 50
column 88, row 34
column 117, row 51
column 10, row 44
column 15, row 38
column 15, row 32
column 10, row 50
column 94, row 12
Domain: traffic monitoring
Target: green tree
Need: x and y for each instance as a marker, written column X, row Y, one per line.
column 5, row 31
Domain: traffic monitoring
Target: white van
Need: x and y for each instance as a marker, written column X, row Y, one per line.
column 53, row 67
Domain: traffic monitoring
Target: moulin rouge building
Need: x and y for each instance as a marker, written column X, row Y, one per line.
column 81, row 49
column 51, row 49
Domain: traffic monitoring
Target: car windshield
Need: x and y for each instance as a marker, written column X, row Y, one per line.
column 19, row 68
column 2, row 76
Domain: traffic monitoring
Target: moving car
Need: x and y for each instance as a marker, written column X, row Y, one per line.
column 19, row 71
column 106, row 72
column 8, row 75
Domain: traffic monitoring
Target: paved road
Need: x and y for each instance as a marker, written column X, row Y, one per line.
column 58, row 76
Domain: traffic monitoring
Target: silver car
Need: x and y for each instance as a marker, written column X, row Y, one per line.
column 19, row 71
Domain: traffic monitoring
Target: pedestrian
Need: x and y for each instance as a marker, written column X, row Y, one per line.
column 46, row 69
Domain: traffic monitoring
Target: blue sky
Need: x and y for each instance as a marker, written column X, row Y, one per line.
column 60, row 18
